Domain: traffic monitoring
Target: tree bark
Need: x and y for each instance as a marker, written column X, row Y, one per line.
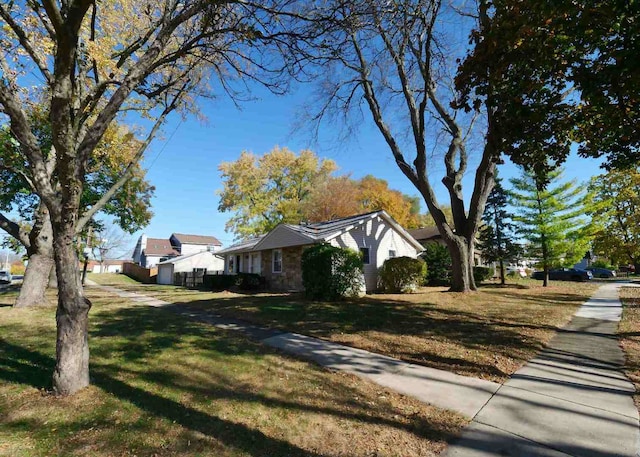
column 461, row 251
column 40, row 266
column 503, row 280
column 36, row 279
column 72, row 348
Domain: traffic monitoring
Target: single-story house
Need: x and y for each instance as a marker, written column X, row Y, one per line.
column 277, row 255
column 204, row 261
column 108, row 266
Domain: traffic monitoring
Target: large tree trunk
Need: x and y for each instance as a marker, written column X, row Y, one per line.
column 503, row 280
column 72, row 348
column 36, row 279
column 461, row 251
column 40, row 266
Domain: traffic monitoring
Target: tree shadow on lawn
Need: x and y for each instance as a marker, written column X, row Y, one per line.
column 118, row 334
column 395, row 318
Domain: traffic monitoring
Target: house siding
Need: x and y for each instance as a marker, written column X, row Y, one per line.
column 380, row 238
column 205, row 259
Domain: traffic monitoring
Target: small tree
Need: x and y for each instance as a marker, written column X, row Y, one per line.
column 330, row 273
column 551, row 218
column 402, row 274
column 497, row 238
column 438, row 263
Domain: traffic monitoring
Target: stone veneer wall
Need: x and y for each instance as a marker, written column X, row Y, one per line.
column 290, row 279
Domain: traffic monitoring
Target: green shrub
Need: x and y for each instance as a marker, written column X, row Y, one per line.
column 402, row 274
column 481, row 274
column 329, row 272
column 438, row 263
column 218, row 282
column 243, row 281
column 250, row 281
column 603, row 264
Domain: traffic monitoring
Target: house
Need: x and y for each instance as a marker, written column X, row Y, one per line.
column 149, row 252
column 108, row 266
column 203, row 261
column 190, row 244
column 277, row 255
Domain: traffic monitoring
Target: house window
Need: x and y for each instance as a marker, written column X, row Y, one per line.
column 276, row 258
column 365, row 255
column 392, row 253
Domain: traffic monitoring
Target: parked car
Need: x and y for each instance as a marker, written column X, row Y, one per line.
column 602, row 272
column 5, row 277
column 565, row 274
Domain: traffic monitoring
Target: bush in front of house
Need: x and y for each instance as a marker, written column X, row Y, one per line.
column 250, row 281
column 330, row 273
column 402, row 274
column 438, row 261
column 481, row 274
column 218, row 282
column 243, row 281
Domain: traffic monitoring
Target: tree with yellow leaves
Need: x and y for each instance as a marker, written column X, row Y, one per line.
column 129, row 205
column 96, row 61
column 264, row 191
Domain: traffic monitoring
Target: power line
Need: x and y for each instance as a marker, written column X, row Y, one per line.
column 165, row 145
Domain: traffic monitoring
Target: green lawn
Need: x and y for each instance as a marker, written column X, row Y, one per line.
column 163, row 385
column 487, row 334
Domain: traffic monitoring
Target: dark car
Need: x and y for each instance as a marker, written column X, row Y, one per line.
column 565, row 274
column 602, row 272
column 5, row 277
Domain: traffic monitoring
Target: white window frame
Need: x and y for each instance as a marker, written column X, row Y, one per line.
column 273, row 261
column 395, row 253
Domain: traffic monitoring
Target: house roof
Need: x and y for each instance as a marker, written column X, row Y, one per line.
column 425, row 233
column 184, row 257
column 159, row 247
column 196, row 239
column 241, row 246
column 285, row 235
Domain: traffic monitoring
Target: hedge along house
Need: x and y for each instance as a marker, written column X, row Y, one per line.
column 277, row 255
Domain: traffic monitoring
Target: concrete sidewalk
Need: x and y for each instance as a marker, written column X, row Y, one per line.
column 571, row 400
column 462, row 394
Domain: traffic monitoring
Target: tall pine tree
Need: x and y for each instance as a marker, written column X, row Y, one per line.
column 551, row 218
column 497, row 237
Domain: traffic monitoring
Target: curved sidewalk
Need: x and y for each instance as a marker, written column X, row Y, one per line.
column 462, row 394
column 571, row 400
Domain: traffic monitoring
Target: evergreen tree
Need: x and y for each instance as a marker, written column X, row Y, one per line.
column 497, row 237
column 551, row 218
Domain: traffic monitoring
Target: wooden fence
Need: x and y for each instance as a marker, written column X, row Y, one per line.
column 144, row 275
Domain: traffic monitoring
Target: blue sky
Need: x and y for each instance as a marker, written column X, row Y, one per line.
column 183, row 163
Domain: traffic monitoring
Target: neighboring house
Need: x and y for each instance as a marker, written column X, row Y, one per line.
column 149, row 252
column 426, row 235
column 204, row 261
column 108, row 266
column 277, row 255
column 190, row 244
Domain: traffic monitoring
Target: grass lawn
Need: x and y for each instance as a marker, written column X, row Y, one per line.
column 487, row 334
column 629, row 331
column 163, row 385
